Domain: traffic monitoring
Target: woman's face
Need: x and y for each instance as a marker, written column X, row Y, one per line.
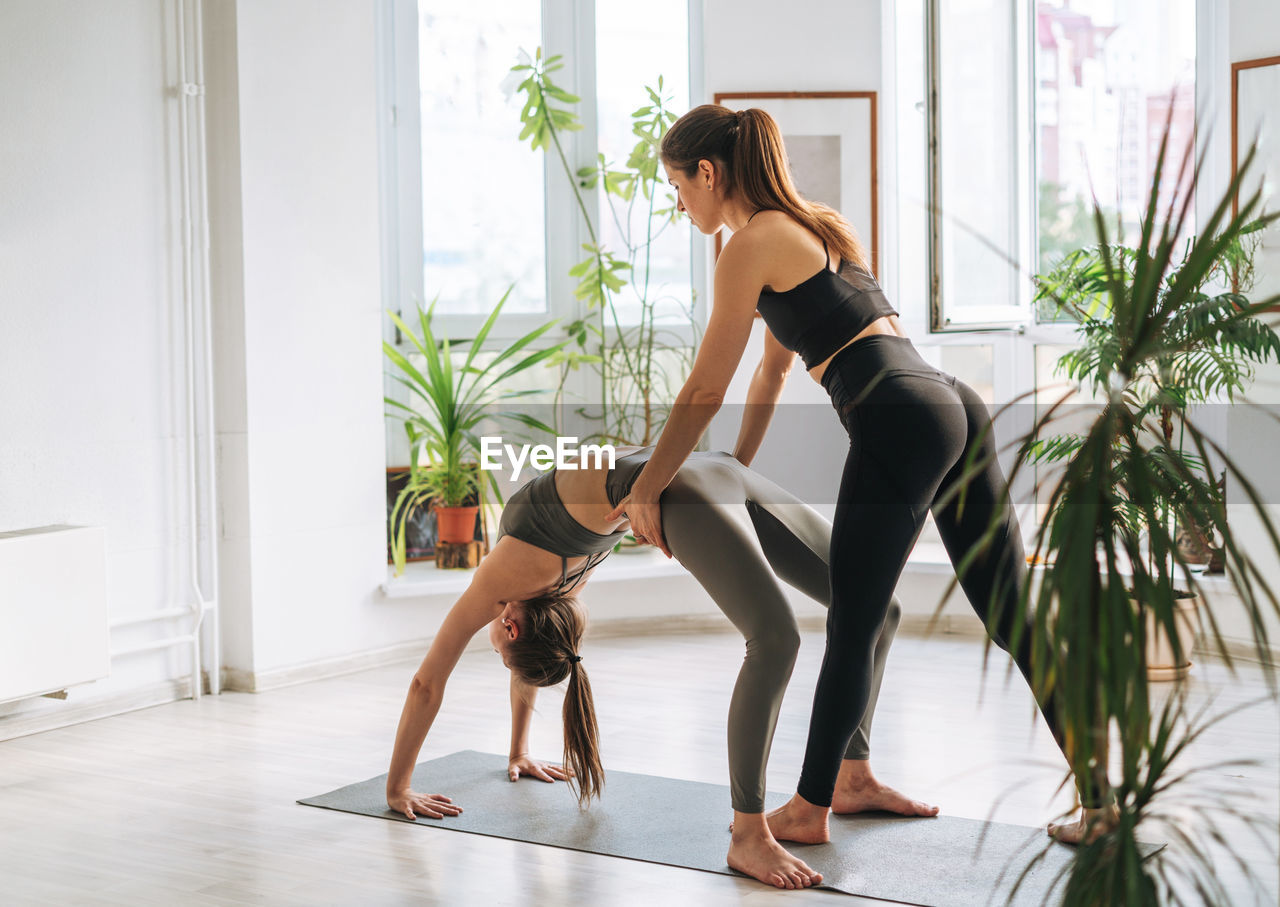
column 505, row 628
column 696, row 195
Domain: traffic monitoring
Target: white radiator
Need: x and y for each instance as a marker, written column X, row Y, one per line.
column 53, row 609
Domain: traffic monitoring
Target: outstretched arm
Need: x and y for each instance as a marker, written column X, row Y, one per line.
column 523, row 698
column 737, row 287
column 477, row 606
column 762, row 397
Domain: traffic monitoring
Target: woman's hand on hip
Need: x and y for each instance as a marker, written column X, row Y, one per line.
column 535, row 768
column 645, row 515
column 433, row 806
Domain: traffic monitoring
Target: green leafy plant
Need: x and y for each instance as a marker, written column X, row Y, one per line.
column 640, row 365
column 1153, row 338
column 1208, row 353
column 445, row 407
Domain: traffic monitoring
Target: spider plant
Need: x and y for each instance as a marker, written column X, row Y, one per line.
column 447, row 404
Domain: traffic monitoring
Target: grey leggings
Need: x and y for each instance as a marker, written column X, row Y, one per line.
column 738, row 533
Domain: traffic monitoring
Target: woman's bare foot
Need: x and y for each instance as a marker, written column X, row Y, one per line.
column 1091, row 824
column 754, row 852
column 800, row 821
column 858, row 790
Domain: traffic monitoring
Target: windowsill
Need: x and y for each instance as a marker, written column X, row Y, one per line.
column 422, row 578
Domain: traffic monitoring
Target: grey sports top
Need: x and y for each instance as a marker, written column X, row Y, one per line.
column 535, row 514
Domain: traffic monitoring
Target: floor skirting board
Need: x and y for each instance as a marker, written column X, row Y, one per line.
column 66, row 712
column 71, row 712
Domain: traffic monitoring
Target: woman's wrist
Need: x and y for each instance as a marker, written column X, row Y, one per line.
column 640, row 491
column 514, row 756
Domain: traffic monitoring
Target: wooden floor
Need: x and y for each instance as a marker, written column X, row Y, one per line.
column 193, row 802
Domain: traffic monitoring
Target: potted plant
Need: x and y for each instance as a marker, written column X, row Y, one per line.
column 640, row 366
column 1086, row 638
column 1207, row 351
column 444, row 409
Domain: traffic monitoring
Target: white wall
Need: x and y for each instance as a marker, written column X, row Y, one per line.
column 1253, row 31
column 301, row 433
column 809, row 45
column 91, row 399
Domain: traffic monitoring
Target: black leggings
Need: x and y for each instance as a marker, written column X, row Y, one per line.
column 910, row 427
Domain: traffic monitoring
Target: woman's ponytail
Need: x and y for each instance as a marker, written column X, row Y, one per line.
column 582, row 736
column 546, row 653
column 748, row 145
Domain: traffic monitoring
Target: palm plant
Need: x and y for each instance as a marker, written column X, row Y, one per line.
column 1197, row 363
column 1153, row 339
column 641, row 365
column 446, row 406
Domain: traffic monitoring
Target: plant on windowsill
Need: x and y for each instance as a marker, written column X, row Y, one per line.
column 441, row 418
column 1087, row 640
column 640, row 366
column 1208, row 353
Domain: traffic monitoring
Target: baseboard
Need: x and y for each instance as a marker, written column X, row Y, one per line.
column 52, row 714
column 1239, row 650
column 715, row 622
column 241, row 681
column 58, row 714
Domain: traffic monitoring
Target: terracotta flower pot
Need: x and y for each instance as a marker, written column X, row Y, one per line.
column 456, row 525
column 1161, row 664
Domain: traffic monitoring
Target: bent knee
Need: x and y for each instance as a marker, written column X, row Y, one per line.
column 778, row 646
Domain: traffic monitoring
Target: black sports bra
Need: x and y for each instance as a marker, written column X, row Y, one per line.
column 817, row 317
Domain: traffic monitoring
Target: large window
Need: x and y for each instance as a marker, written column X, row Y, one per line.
column 1012, row 119
column 469, row 209
column 631, row 53
column 1109, row 76
column 482, row 191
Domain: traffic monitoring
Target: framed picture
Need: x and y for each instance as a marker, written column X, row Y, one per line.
column 831, row 140
column 1255, row 84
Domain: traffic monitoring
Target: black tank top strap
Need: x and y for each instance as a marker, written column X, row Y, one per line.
column 826, row 255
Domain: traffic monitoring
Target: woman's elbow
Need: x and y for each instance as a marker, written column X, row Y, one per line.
column 424, row 688
column 704, row 397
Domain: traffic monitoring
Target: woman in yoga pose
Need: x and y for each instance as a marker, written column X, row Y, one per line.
column 737, row 533
column 911, row 427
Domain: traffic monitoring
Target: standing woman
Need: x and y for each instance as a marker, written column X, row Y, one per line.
column 910, row 426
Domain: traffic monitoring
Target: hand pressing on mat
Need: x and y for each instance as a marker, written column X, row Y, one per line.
column 522, row 765
column 433, row 806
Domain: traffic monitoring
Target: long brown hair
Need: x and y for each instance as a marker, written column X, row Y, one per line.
column 545, row 653
column 748, row 146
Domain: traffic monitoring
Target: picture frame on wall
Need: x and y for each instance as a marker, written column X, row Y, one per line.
column 831, row 141
column 1255, row 84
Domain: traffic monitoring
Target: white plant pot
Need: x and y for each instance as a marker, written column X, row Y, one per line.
column 1161, row 664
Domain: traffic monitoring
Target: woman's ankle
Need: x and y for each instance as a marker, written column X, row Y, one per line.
column 750, row 826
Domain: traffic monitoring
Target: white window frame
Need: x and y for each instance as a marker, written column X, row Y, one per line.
column 1014, row 342
column 569, row 29
column 1013, row 314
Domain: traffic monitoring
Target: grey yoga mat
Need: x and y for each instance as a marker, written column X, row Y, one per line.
column 940, row 861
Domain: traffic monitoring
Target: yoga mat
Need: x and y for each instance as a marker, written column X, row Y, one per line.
column 936, row 862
